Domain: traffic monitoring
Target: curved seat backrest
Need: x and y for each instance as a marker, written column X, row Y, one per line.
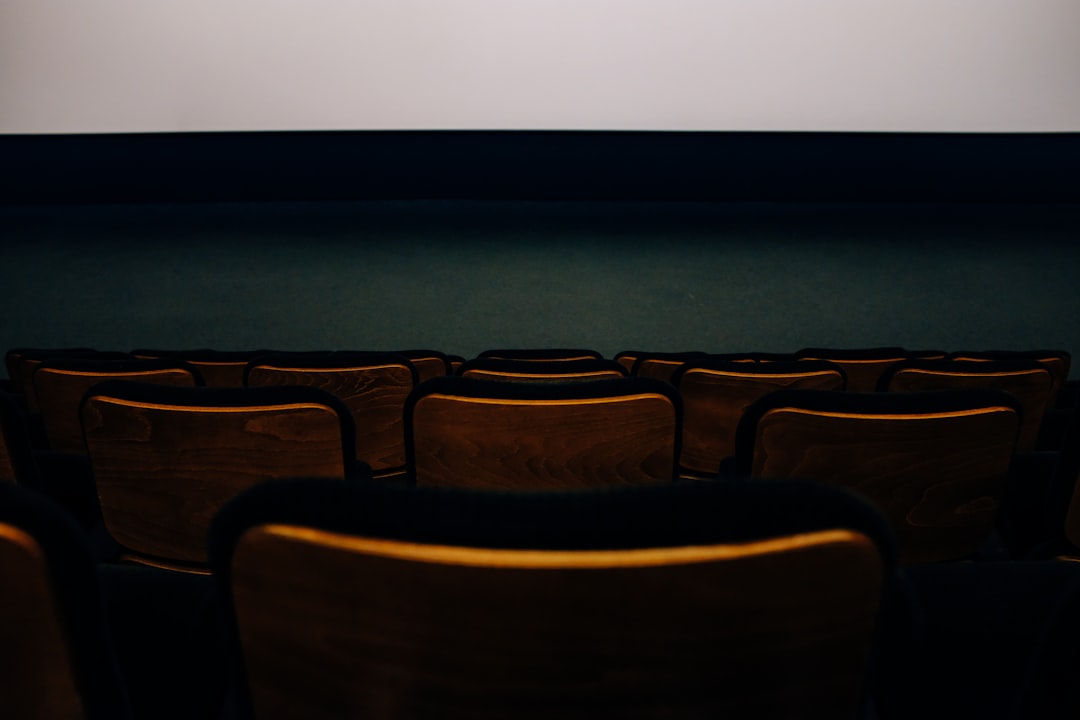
column 465, row 432
column 541, row 371
column 59, row 661
column 935, row 463
column 715, row 394
column 23, row 361
column 165, row 459
column 540, row 354
column 219, row 368
column 587, row 604
column 661, row 365
column 59, row 386
column 373, row 385
column 1029, row 381
column 428, row 363
column 1058, row 362
column 864, row 366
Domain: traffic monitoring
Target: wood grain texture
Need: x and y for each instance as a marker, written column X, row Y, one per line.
column 714, row 402
column 938, row 479
column 59, row 393
column 374, row 395
column 862, row 374
column 470, row 442
column 1033, row 388
column 162, row 473
column 331, row 631
column 36, row 681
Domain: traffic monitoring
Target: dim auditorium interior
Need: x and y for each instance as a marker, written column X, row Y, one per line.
column 485, row 359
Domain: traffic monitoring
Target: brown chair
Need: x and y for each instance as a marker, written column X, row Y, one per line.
column 627, row 358
column 456, row 361
column 540, row 354
column 59, row 386
column 864, row 366
column 936, row 463
column 428, row 363
column 1058, row 362
column 373, row 385
column 658, row 365
column 1030, row 382
column 219, row 368
column 463, row 432
column 541, row 371
column 58, row 658
column 715, row 394
column 22, row 361
column 165, row 459
column 703, row 600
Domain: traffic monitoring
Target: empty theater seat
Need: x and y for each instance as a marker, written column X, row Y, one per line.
column 464, row 432
column 721, row 599
column 935, row 463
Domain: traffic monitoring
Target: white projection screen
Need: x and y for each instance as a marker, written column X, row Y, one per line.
column 181, row 66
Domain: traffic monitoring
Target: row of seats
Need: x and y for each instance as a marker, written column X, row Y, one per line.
column 717, row 387
column 907, row 482
column 467, row 430
column 780, row 599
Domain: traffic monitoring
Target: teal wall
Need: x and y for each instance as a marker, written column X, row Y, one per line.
column 461, row 276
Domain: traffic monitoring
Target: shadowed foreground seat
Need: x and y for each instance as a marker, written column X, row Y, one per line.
column 462, row 432
column 705, row 600
column 58, row 661
column 165, row 459
column 936, row 463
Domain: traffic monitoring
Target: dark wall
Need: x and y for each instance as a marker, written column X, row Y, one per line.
column 463, row 241
column 541, row 165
